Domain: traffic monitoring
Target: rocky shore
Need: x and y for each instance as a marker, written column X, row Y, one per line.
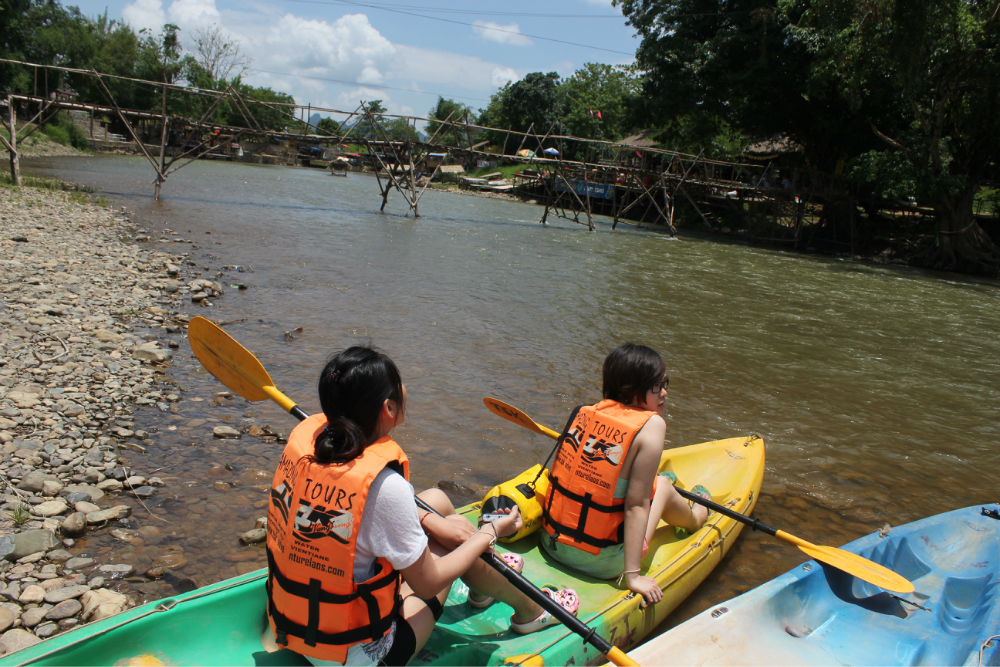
column 85, row 301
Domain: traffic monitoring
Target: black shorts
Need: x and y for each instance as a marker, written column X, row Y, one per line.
column 404, row 645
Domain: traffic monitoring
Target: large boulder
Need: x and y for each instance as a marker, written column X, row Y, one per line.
column 35, row 480
column 30, row 542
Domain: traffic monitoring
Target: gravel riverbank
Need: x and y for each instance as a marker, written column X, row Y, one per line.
column 88, row 320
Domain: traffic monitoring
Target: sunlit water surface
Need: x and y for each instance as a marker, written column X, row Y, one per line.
column 877, row 389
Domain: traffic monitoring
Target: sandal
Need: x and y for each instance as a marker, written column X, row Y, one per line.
column 566, row 598
column 516, row 563
column 701, row 492
column 669, row 475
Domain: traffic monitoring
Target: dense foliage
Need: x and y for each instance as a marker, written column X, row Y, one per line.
column 899, row 95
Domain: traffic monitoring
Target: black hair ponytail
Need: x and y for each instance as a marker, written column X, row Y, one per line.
column 352, row 389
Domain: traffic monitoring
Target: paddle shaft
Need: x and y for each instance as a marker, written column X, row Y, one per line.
column 532, row 592
column 755, row 524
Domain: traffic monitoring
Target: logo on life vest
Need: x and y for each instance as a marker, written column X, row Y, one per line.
column 281, row 498
column 313, row 523
column 595, row 450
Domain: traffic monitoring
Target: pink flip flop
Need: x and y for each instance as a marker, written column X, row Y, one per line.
column 516, row 563
column 566, row 598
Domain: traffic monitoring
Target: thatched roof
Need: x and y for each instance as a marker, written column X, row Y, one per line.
column 642, row 140
column 773, row 147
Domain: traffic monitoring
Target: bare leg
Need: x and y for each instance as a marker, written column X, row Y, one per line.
column 673, row 509
column 439, row 500
column 481, row 577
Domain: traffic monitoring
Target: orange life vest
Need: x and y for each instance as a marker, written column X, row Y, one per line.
column 314, row 605
column 581, row 509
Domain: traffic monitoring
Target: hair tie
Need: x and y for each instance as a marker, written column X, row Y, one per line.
column 334, row 376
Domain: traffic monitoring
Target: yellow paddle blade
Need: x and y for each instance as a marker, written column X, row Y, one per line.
column 512, row 414
column 852, row 564
column 228, row 361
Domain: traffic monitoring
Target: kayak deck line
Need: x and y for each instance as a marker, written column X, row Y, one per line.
column 720, row 542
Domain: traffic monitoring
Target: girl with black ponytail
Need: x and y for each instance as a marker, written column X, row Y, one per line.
column 357, row 574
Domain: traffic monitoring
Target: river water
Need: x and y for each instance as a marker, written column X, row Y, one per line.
column 876, row 389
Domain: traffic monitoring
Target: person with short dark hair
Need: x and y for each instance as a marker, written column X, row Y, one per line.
column 604, row 501
column 357, row 575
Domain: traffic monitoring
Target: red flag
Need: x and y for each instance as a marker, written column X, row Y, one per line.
column 599, row 114
column 638, row 153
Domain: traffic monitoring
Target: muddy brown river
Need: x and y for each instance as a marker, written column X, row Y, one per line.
column 876, row 388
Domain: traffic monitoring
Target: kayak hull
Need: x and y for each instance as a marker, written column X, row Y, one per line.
column 223, row 624
column 817, row 615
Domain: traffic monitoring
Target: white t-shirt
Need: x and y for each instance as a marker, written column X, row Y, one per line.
column 390, row 527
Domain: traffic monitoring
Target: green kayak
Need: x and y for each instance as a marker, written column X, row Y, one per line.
column 222, row 624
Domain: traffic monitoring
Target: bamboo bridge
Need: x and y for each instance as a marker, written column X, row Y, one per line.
column 630, row 185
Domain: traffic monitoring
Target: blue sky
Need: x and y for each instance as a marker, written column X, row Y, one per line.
column 390, row 43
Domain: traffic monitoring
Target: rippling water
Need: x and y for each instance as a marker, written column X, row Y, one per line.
column 877, row 389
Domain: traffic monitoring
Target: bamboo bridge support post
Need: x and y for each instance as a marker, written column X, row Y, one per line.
column 11, row 145
column 160, row 177
column 128, row 125
column 586, row 190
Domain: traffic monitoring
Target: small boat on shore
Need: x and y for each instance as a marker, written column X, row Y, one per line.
column 817, row 615
column 223, row 624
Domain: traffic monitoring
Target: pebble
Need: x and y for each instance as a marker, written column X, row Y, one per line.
column 17, row 639
column 86, row 322
column 173, row 561
column 64, row 609
column 32, row 595
column 117, row 570
column 7, row 619
column 78, row 563
column 254, row 536
column 75, row 525
column 65, row 593
column 226, row 432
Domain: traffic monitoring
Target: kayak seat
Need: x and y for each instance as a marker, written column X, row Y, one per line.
column 966, row 602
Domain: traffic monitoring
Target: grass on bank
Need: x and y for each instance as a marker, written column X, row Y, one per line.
column 60, row 130
column 78, row 194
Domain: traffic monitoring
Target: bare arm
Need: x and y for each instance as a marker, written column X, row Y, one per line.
column 429, row 574
column 649, row 442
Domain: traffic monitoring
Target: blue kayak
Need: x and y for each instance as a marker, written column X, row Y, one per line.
column 818, row 615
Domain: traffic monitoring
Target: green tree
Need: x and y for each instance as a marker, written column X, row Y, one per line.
column 940, row 62
column 533, row 103
column 610, row 90
column 328, row 126
column 399, row 129
column 441, row 112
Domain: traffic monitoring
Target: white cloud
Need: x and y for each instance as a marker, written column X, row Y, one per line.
column 345, row 48
column 192, row 14
column 504, row 34
column 442, row 68
column 502, row 75
column 144, row 14
column 188, row 15
column 370, row 75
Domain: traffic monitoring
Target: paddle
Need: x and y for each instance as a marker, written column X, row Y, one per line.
column 235, row 367
column 853, row 564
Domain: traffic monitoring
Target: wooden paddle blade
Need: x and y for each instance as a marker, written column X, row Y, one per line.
column 512, row 414
column 228, row 361
column 855, row 565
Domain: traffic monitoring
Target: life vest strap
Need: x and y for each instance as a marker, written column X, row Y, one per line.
column 586, row 500
column 301, row 590
column 286, row 627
